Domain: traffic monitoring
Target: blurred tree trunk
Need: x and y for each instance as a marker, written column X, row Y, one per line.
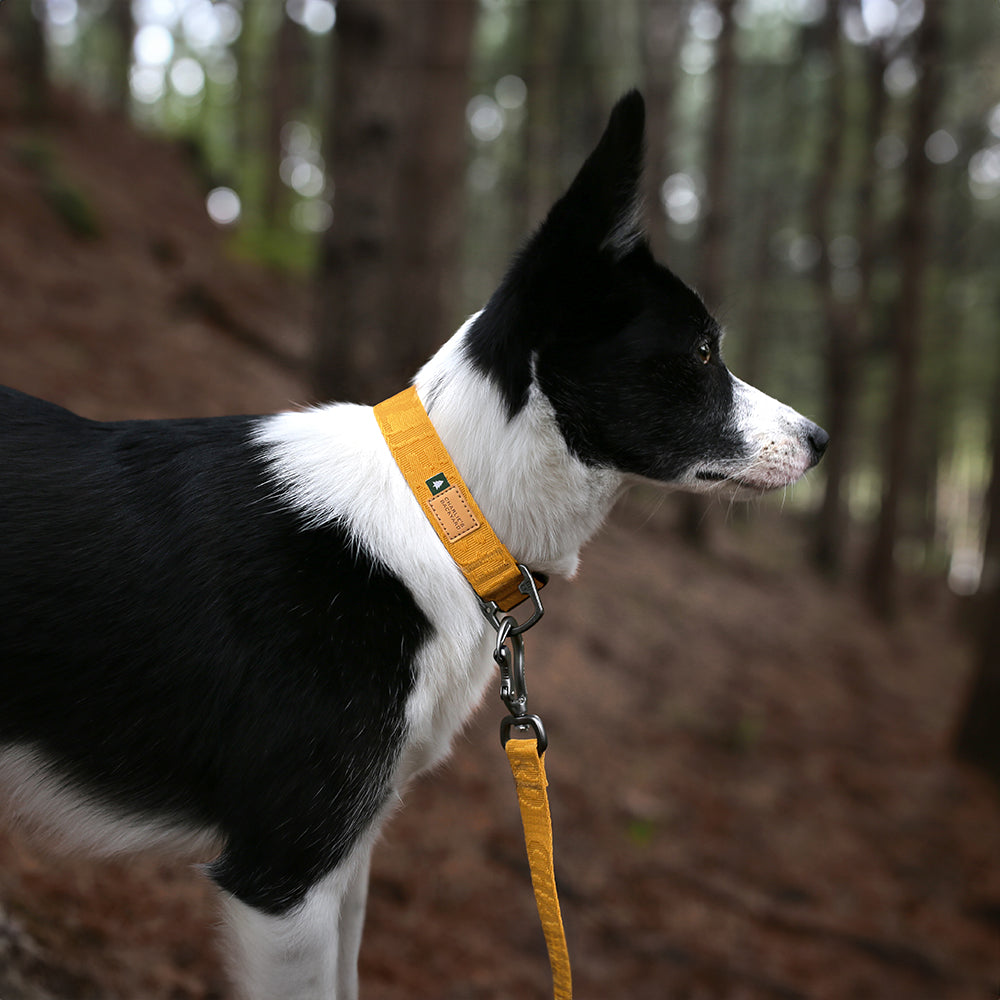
column 771, row 203
column 559, row 60
column 30, row 61
column 876, row 107
column 876, row 62
column 978, row 738
column 857, row 329
column 851, row 328
column 715, row 228
column 287, row 60
column 123, row 28
column 545, row 32
column 718, row 153
column 251, row 161
column 662, row 25
column 840, row 360
column 249, row 98
column 386, row 284
column 579, row 70
column 355, row 337
column 753, row 334
column 906, row 314
column 431, row 186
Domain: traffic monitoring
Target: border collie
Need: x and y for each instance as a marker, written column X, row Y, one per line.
column 242, row 635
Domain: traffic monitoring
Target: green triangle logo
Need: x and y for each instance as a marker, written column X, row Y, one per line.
column 437, row 484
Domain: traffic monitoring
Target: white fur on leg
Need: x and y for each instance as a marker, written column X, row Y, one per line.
column 352, row 924
column 294, row 956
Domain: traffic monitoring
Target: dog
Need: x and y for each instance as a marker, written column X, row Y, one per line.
column 241, row 636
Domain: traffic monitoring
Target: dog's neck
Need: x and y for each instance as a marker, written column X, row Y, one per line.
column 542, row 502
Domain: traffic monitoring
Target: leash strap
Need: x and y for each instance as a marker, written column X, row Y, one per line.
column 497, row 578
column 447, row 501
column 528, row 768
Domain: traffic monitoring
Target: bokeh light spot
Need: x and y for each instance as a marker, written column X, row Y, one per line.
column 223, row 206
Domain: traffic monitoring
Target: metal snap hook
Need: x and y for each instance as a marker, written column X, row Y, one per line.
column 513, row 689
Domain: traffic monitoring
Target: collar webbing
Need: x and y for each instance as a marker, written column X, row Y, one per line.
column 447, row 501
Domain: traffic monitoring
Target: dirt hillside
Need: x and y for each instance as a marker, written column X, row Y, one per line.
column 751, row 790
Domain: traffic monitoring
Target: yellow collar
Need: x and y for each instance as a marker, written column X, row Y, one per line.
column 448, row 503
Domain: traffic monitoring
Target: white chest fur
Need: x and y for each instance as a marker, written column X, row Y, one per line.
column 542, row 502
column 336, row 467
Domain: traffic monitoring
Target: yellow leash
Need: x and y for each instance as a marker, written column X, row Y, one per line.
column 529, row 776
column 501, row 585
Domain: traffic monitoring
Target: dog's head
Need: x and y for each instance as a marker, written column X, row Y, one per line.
column 626, row 353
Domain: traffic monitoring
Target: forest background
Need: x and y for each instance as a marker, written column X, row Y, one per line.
column 825, row 172
column 828, row 175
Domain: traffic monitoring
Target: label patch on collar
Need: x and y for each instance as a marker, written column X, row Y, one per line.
column 438, row 484
column 451, row 511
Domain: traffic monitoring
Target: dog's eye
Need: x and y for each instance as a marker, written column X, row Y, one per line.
column 705, row 352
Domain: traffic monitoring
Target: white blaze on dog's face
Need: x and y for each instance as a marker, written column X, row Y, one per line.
column 779, row 446
column 625, row 352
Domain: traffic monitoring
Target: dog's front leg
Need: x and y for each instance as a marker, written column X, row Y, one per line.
column 352, row 920
column 293, row 956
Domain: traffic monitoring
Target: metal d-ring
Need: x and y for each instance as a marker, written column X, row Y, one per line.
column 524, row 722
column 529, row 588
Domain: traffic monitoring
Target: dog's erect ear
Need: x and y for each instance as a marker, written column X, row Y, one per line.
column 597, row 219
column 603, row 206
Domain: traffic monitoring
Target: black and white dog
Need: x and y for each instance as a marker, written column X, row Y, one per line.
column 242, row 634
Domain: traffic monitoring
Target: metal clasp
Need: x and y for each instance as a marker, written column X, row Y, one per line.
column 528, row 587
column 509, row 656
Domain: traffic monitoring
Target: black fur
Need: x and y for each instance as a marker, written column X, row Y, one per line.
column 217, row 671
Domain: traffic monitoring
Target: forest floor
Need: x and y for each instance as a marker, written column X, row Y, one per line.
column 751, row 788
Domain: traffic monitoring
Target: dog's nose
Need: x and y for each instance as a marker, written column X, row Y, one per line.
column 818, row 440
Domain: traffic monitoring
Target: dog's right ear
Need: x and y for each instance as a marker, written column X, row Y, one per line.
column 602, row 210
column 594, row 225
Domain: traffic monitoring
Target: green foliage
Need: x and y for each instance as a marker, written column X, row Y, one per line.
column 36, row 155
column 67, row 201
column 641, row 832
column 73, row 208
column 279, row 249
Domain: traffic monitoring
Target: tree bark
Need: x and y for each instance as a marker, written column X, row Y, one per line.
column 839, row 367
column 718, row 153
column 429, row 216
column 387, row 288
column 771, row 204
column 30, row 62
column 545, row 28
column 123, row 26
column 662, row 24
column 977, row 739
column 914, row 233
column 364, row 135
column 286, row 61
